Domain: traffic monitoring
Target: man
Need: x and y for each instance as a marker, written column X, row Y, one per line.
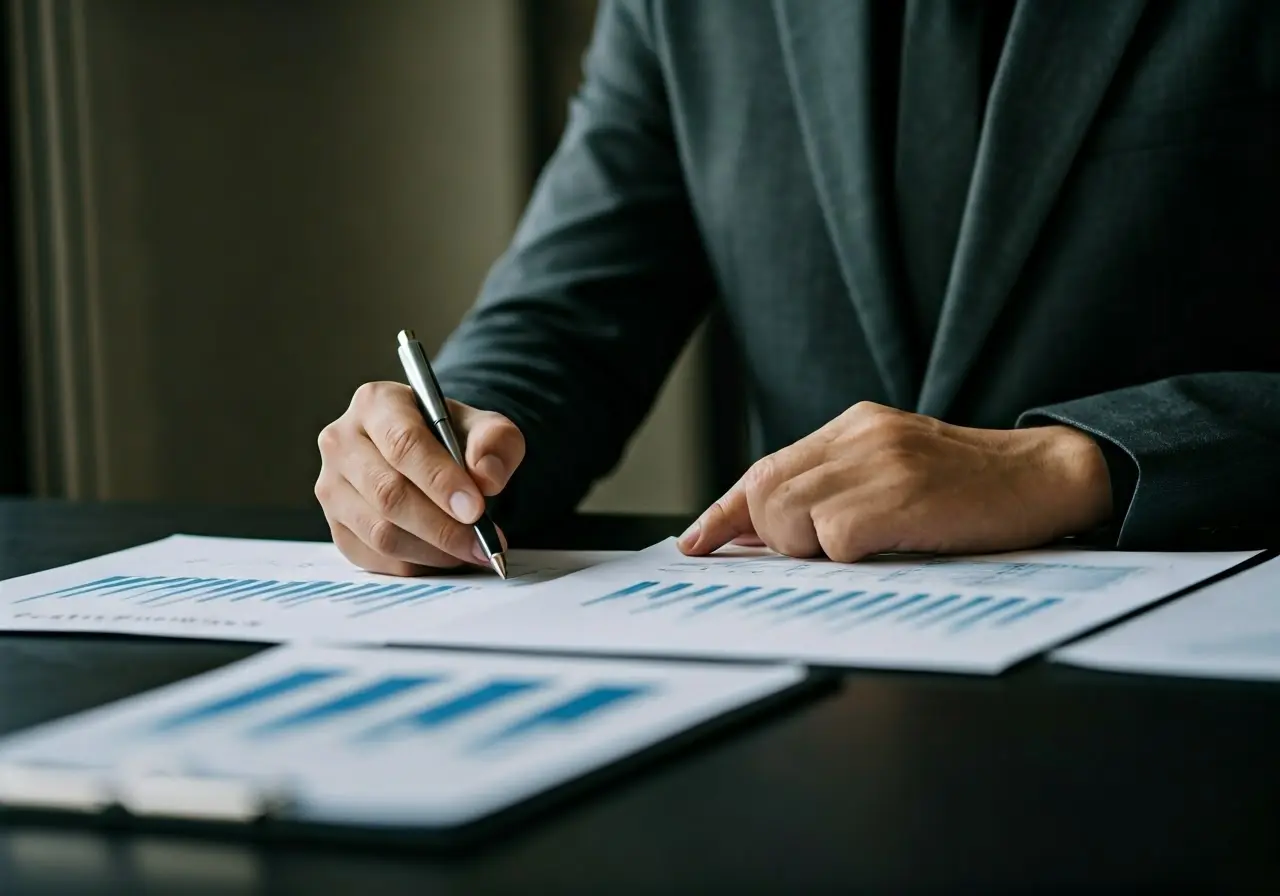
column 999, row 273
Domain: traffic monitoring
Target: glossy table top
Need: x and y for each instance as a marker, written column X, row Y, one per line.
column 1045, row 779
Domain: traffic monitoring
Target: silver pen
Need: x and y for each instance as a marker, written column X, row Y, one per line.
column 432, row 405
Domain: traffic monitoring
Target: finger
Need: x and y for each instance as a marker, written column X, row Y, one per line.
column 494, row 446
column 387, row 496
column 396, row 428
column 367, row 558
column 719, row 524
column 784, row 517
column 749, row 541
column 345, row 507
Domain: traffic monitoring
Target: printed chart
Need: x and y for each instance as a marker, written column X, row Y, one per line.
column 976, row 614
column 394, row 736
column 238, row 589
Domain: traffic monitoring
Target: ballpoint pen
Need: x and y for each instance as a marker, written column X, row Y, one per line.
column 432, row 405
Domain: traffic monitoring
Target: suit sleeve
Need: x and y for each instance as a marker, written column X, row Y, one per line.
column 1206, row 449
column 580, row 321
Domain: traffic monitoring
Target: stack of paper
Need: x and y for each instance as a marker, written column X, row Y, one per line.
column 1230, row 629
column 975, row 614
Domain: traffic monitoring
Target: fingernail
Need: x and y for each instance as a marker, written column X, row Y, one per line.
column 690, row 536
column 464, row 507
column 479, row 554
column 491, row 468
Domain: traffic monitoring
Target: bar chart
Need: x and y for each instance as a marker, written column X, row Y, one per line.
column 387, row 736
column 958, row 573
column 350, row 709
column 352, row 599
column 828, row 609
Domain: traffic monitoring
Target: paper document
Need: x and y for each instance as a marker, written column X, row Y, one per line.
column 370, row 737
column 1231, row 629
column 260, row 590
column 976, row 614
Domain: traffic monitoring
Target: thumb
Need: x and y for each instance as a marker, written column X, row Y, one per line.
column 721, row 523
column 494, row 446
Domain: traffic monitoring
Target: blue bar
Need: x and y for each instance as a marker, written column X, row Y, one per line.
column 294, row 589
column 368, row 695
column 893, row 608
column 294, row 681
column 219, row 586
column 928, row 608
column 215, row 586
column 192, row 585
column 998, row 607
column 160, row 600
column 567, row 713
column 724, row 598
column 455, row 708
column 416, row 593
column 271, row 586
column 147, row 580
column 372, row 588
column 1026, row 611
column 953, row 611
column 624, row 592
column 866, row 604
column 761, row 598
column 670, row 589
column 798, row 599
column 331, row 591
column 389, row 591
column 827, row 604
column 660, row 605
column 85, row 586
column 168, row 586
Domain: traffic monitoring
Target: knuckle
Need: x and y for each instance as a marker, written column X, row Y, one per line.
column 760, row 477
column 441, row 480
column 384, row 536
column 323, row 488
column 388, row 492
column 402, row 441
column 836, row 538
column 329, row 440
column 364, row 395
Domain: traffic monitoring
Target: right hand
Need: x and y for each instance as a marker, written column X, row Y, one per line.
column 396, row 501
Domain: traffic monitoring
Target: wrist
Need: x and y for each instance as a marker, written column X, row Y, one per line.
column 1081, row 477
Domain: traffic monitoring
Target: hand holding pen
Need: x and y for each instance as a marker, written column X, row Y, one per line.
column 396, row 499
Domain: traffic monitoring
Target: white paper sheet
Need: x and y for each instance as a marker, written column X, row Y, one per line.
column 260, row 590
column 392, row 737
column 1230, row 629
column 977, row 614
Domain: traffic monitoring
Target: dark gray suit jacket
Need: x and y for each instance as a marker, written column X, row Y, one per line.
column 1117, row 265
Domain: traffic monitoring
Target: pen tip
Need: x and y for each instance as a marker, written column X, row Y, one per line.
column 499, row 563
column 404, row 337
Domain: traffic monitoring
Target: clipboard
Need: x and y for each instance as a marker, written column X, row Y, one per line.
column 386, row 747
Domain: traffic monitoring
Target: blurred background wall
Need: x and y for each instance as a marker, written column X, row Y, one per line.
column 226, row 208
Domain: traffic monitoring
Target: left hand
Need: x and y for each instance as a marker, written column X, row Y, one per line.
column 877, row 479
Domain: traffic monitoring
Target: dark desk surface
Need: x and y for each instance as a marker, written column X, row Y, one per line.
column 1046, row 779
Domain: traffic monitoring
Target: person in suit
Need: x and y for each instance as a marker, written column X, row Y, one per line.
column 998, row 273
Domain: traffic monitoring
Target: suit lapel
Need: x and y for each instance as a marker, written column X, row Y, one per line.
column 1059, row 58
column 827, row 48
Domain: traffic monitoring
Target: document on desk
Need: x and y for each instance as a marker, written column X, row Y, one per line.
column 964, row 614
column 261, row 590
column 379, row 738
column 1230, row 629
